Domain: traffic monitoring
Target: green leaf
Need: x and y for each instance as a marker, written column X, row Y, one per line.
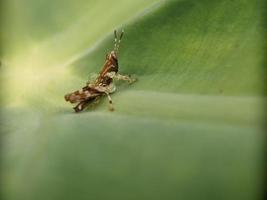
column 189, row 128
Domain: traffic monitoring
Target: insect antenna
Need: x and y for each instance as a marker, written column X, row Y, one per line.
column 117, row 41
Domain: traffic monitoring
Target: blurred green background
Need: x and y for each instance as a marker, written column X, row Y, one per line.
column 190, row 128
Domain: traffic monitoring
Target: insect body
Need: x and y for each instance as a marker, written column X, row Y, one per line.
column 103, row 85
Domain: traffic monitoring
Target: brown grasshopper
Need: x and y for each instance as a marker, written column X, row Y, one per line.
column 103, row 84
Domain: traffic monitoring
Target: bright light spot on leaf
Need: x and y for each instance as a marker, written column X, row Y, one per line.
column 30, row 76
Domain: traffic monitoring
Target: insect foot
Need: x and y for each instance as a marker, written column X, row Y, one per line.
column 132, row 80
column 111, row 109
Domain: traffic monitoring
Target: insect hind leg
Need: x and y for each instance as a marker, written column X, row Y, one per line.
column 84, row 104
column 80, row 106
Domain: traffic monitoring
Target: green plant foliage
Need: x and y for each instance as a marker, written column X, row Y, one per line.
column 189, row 128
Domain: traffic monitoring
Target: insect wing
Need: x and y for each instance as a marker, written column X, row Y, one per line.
column 85, row 93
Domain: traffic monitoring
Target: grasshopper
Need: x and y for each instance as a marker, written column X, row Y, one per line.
column 103, row 85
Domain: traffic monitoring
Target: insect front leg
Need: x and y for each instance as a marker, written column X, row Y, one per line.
column 120, row 77
column 107, row 90
column 127, row 78
column 111, row 107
